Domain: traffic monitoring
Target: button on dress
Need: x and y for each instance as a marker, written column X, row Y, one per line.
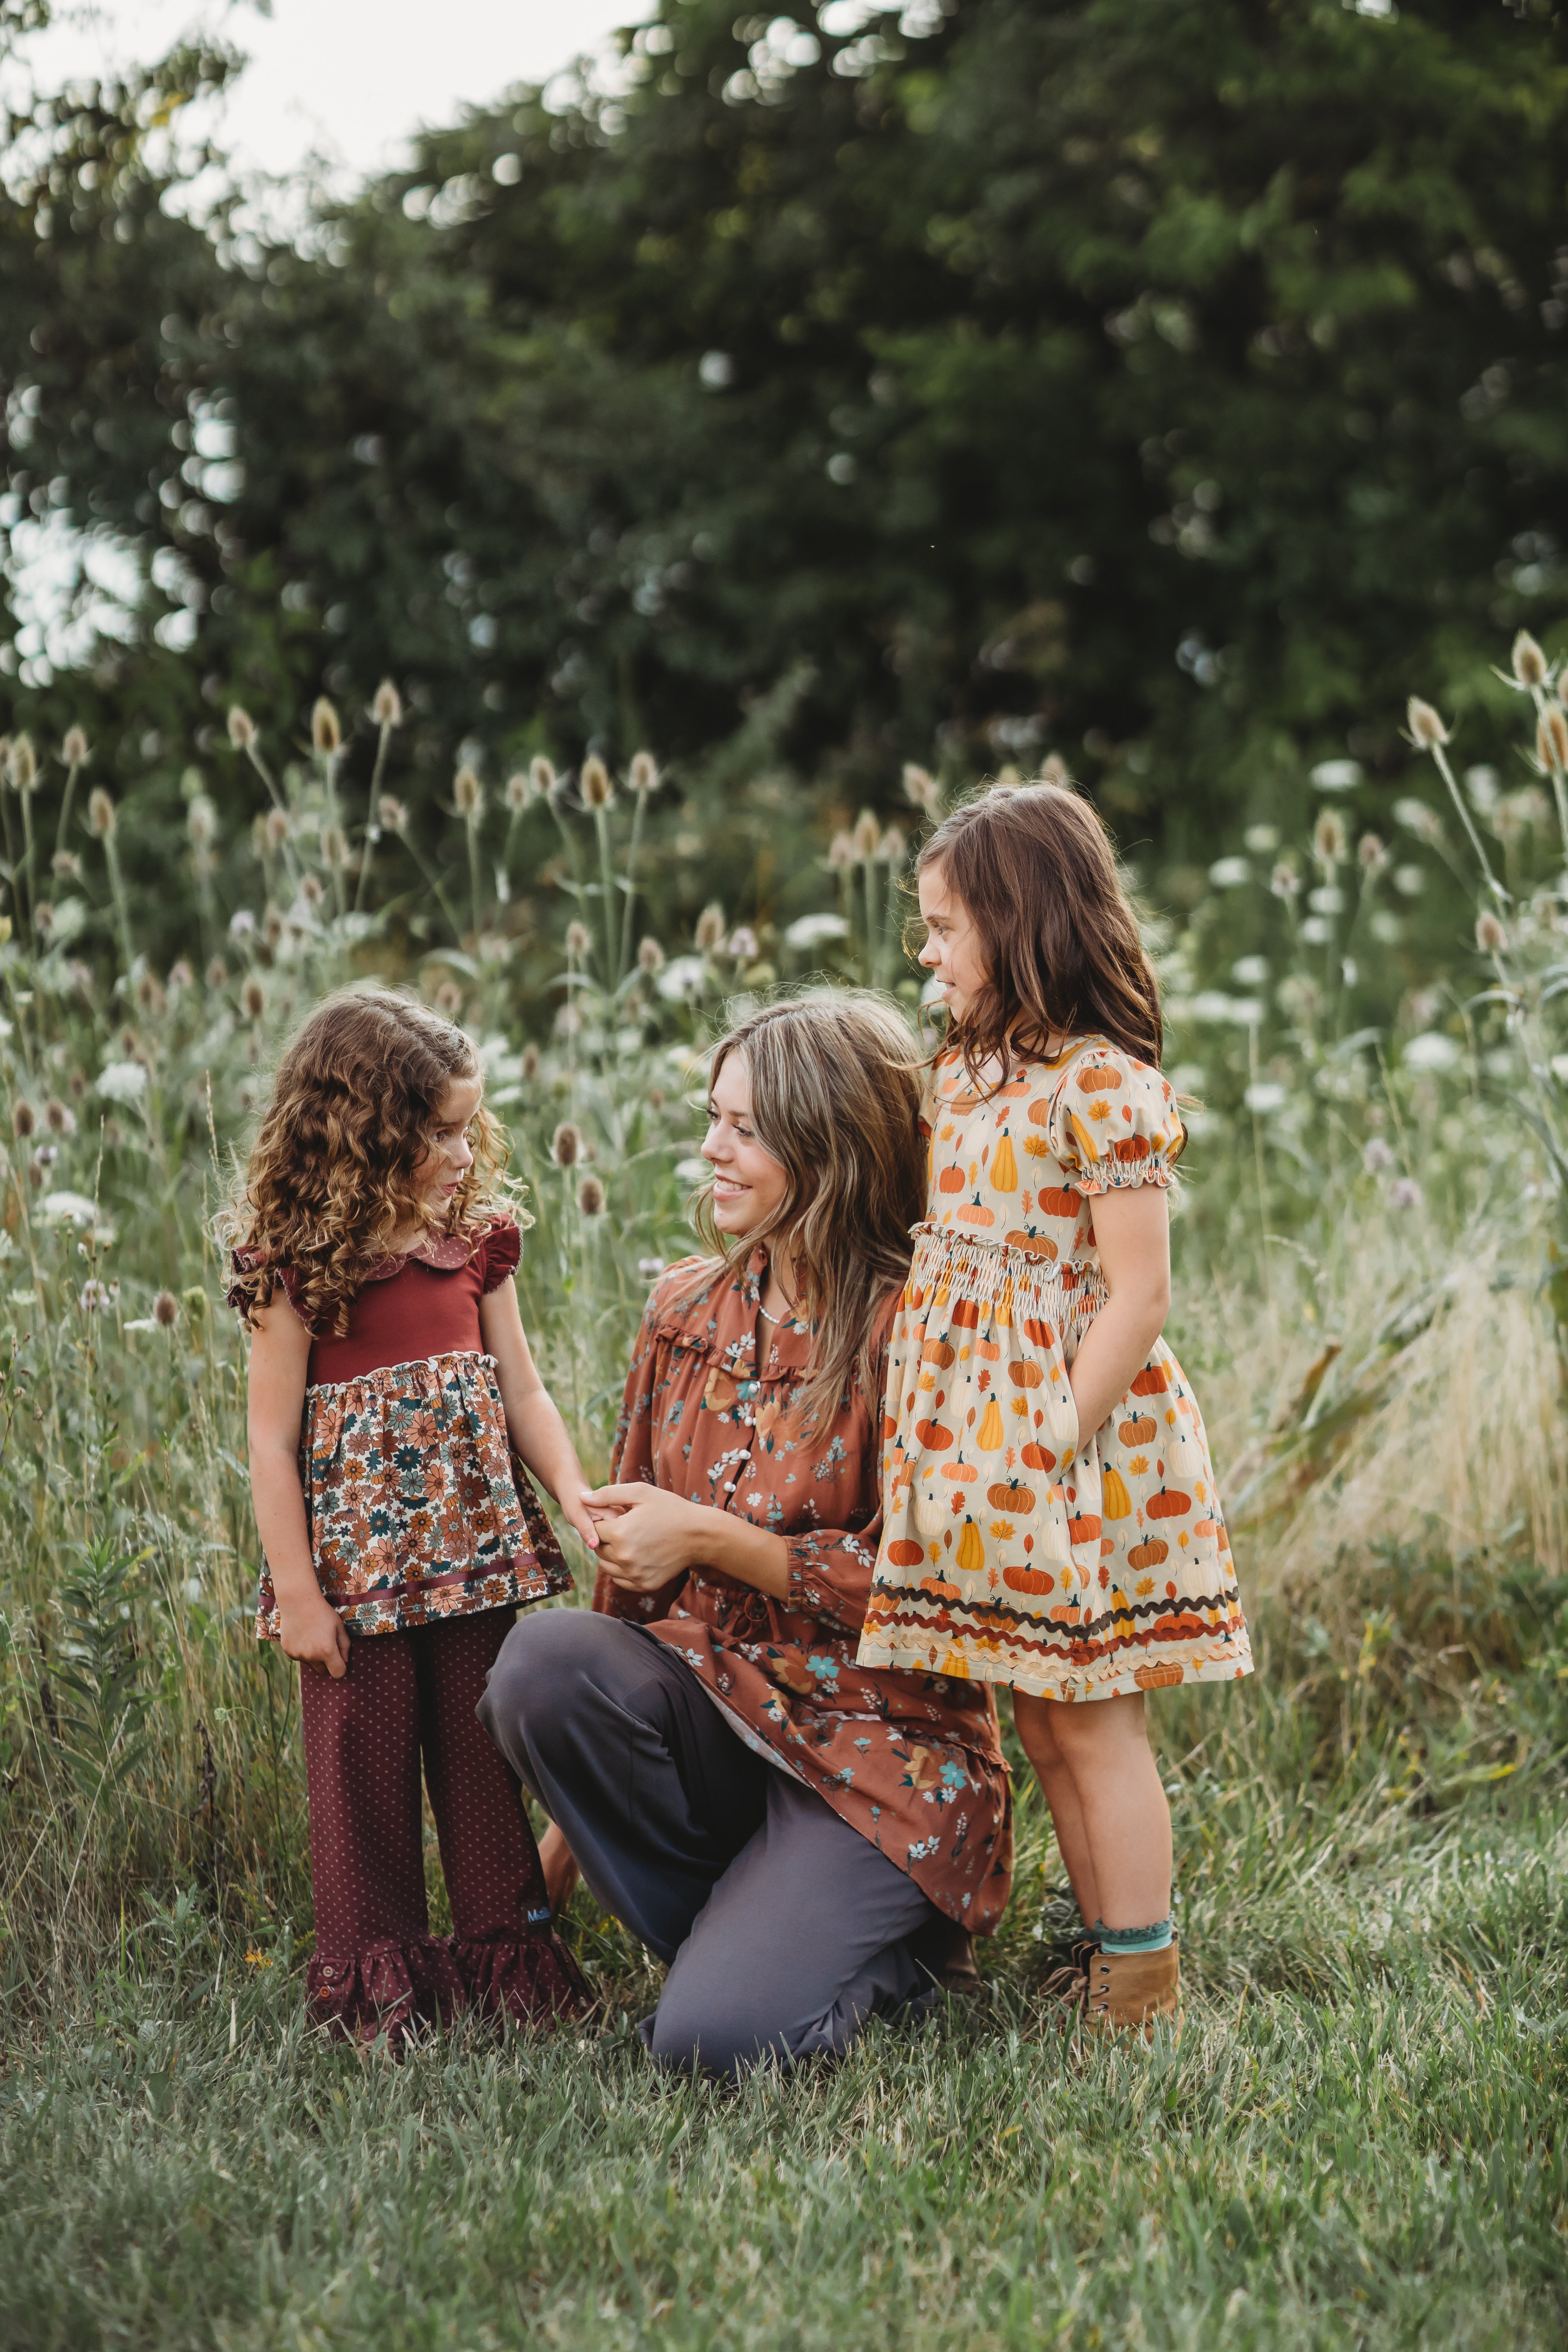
column 1015, row 1548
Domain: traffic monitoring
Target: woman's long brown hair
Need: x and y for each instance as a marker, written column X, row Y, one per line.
column 330, row 1180
column 836, row 1100
column 1034, row 870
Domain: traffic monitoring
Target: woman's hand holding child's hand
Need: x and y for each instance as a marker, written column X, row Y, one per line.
column 647, row 1536
column 574, row 1510
column 315, row 1634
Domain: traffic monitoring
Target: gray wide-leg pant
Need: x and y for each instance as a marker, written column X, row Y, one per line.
column 784, row 1929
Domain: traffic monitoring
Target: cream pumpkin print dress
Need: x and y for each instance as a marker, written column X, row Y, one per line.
column 1015, row 1548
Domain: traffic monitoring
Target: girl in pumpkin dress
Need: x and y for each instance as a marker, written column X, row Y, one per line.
column 1051, row 1519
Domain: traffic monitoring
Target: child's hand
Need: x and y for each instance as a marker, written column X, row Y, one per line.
column 316, row 1635
column 648, row 1533
column 574, row 1509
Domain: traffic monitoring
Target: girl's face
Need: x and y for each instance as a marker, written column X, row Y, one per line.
column 447, row 1154
column 951, row 953
column 749, row 1183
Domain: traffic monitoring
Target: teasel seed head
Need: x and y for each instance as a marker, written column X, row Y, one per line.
column 217, row 973
column 326, row 735
column 73, row 751
column 1285, row 882
column 566, row 1145
column 841, row 852
column 710, row 927
column 335, row 848
column 1427, row 731
column 531, row 1063
column 201, row 821
column 392, row 814
column 643, row 774
column 650, row 957
column 57, row 1118
column 1491, row 937
column 1529, row 661
column 166, row 1310
column 867, row 834
column 24, row 765
column 1552, row 737
column 893, row 847
column 181, row 977
column 594, row 783
column 1329, row 839
column 543, row 777
column 24, row 1121
column 101, row 818
column 578, row 942
column 310, row 891
column 1372, row 852
column 591, row 1197
column 1055, row 771
column 241, row 728
column 387, row 710
column 450, row 999
column 253, row 1000
column 271, row 926
column 65, row 865
column 43, row 918
column 517, row 792
column 466, row 793
column 921, row 789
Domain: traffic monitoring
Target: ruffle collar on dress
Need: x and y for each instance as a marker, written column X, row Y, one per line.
column 447, row 1252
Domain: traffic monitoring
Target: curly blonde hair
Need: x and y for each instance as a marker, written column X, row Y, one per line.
column 329, row 1178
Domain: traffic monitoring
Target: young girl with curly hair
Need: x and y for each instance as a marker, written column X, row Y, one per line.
column 392, row 1404
column 1050, row 1515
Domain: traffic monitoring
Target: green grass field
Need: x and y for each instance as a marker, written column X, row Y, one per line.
column 1357, row 2138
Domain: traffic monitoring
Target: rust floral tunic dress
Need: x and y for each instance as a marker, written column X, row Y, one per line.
column 1015, row 1548
column 910, row 1759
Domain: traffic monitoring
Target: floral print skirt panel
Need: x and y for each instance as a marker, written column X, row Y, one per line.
column 416, row 1507
column 1013, row 1552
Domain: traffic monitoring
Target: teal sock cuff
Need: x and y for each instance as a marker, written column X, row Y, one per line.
column 1157, row 1939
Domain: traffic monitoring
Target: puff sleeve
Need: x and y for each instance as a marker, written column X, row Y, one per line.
column 502, row 1251
column 1114, row 1123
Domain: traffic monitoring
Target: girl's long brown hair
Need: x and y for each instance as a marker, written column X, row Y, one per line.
column 836, row 1100
column 330, row 1175
column 1034, row 868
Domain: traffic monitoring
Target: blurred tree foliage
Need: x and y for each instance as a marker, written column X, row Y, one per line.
column 1174, row 382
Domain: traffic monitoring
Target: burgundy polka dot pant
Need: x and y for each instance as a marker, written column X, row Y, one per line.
column 409, row 1697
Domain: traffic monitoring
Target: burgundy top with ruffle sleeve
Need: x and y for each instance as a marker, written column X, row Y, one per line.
column 418, row 1507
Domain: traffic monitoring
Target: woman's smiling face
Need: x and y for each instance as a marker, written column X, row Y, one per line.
column 749, row 1185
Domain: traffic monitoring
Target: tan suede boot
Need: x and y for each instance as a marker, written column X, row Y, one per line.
column 1127, row 1990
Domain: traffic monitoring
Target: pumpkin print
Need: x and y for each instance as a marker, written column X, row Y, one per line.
column 1121, row 1579
column 1116, row 1501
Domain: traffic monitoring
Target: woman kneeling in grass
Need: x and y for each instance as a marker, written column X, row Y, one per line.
column 803, row 1839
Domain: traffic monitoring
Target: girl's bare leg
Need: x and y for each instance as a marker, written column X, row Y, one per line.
column 1034, row 1719
column 559, row 1865
column 1104, row 1790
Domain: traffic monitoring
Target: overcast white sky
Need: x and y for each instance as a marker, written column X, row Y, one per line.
column 347, row 78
